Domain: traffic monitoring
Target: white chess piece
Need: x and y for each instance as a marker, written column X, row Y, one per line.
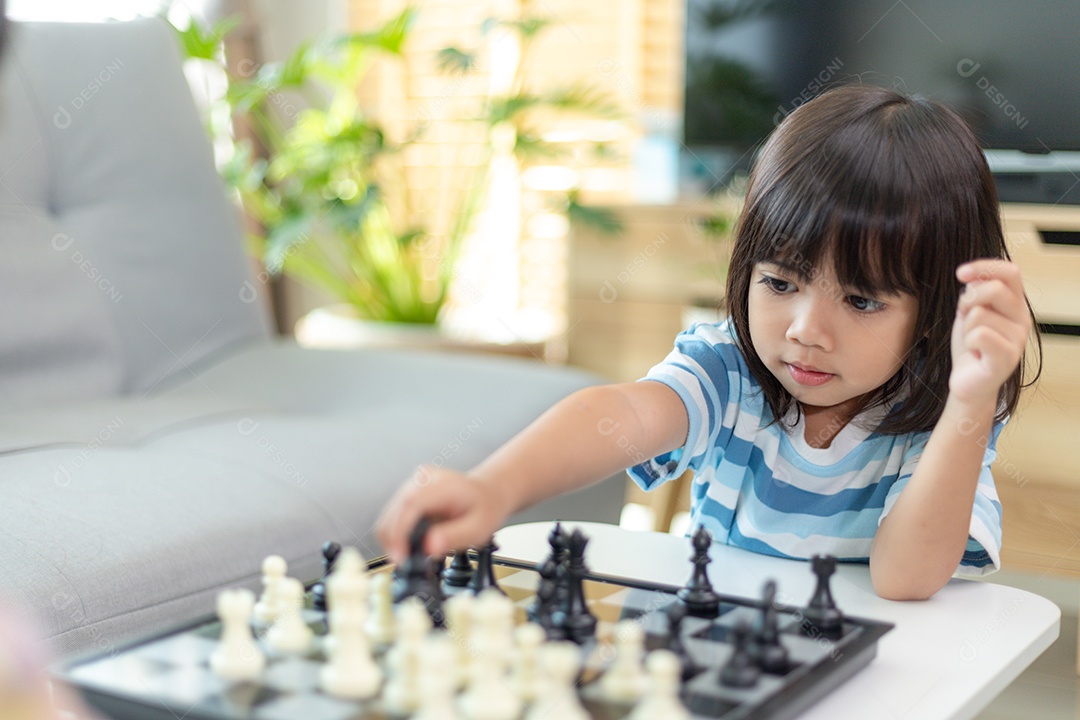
column 560, row 663
column 351, row 672
column 346, row 594
column 525, row 677
column 381, row 623
column 402, row 693
column 662, row 698
column 274, row 568
column 489, row 695
column 289, row 633
column 237, row 657
column 459, row 614
column 624, row 680
column 437, row 686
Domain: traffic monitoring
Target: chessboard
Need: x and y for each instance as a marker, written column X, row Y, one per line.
column 171, row 674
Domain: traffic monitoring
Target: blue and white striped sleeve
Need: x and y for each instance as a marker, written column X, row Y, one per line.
column 982, row 555
column 699, row 369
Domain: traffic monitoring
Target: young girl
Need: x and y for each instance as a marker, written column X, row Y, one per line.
column 851, row 402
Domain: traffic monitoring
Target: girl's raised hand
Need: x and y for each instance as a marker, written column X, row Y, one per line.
column 990, row 331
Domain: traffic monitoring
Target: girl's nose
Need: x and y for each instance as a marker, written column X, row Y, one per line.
column 811, row 326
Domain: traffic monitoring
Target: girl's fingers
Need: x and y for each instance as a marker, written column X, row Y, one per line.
column 995, row 295
column 1016, row 333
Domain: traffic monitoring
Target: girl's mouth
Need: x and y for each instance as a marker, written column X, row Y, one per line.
column 810, row 378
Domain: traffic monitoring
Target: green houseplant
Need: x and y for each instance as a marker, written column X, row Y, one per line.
column 320, row 185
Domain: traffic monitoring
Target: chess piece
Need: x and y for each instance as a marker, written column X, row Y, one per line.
column 289, row 633
column 381, row 623
column 437, row 686
column 560, row 663
column 402, row 693
column 457, row 576
column 698, row 595
column 415, row 576
column 484, row 575
column 489, row 696
column 459, row 613
column 545, row 603
column 351, row 672
column 624, row 680
column 821, row 613
column 740, row 671
column 675, row 614
column 661, row 699
column 274, row 568
column 237, row 657
column 575, row 618
column 330, row 552
column 765, row 646
column 525, row 675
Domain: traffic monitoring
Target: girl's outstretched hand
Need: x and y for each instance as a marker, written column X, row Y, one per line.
column 990, row 331
column 464, row 512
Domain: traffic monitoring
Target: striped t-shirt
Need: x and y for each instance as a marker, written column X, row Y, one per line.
column 763, row 488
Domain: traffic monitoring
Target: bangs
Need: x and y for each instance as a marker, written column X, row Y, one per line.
column 871, row 248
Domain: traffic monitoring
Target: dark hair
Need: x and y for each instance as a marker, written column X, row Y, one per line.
column 896, row 191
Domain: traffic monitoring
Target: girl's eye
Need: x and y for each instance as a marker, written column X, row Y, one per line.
column 865, row 304
column 776, row 285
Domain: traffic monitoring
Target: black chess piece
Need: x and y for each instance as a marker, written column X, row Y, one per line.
column 821, row 614
column 765, row 645
column 574, row 616
column 546, row 602
column 559, row 540
column 675, row 614
column 330, row 552
column 740, row 671
column 484, row 574
column 415, row 577
column 456, row 577
column 698, row 595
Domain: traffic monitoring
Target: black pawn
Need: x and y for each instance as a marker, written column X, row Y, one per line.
column 740, row 671
column 698, row 595
column 484, row 575
column 330, row 552
column 771, row 655
column 546, row 603
column 456, row 577
column 574, row 617
column 675, row 614
column 416, row 577
column 822, row 613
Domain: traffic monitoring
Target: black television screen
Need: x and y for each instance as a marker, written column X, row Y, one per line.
column 1010, row 67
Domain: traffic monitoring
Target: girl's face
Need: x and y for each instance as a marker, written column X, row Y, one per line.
column 825, row 343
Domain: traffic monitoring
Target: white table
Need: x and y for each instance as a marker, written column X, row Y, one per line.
column 946, row 658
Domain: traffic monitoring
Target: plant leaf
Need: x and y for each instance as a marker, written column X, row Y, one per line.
column 455, row 61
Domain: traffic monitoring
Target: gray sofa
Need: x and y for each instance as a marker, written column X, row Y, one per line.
column 156, row 442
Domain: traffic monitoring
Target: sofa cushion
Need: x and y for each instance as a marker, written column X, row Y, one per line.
column 122, row 257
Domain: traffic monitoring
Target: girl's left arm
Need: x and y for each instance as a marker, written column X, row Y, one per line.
column 919, row 544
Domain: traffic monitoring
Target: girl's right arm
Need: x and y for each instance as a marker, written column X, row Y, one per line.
column 583, row 439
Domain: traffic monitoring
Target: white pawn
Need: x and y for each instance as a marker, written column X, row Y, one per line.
column 459, row 615
column 560, row 663
column 402, row 693
column 624, row 680
column 381, row 623
column 437, row 686
column 274, row 568
column 662, row 699
column 289, row 633
column 237, row 657
column 351, row 672
column 525, row 677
